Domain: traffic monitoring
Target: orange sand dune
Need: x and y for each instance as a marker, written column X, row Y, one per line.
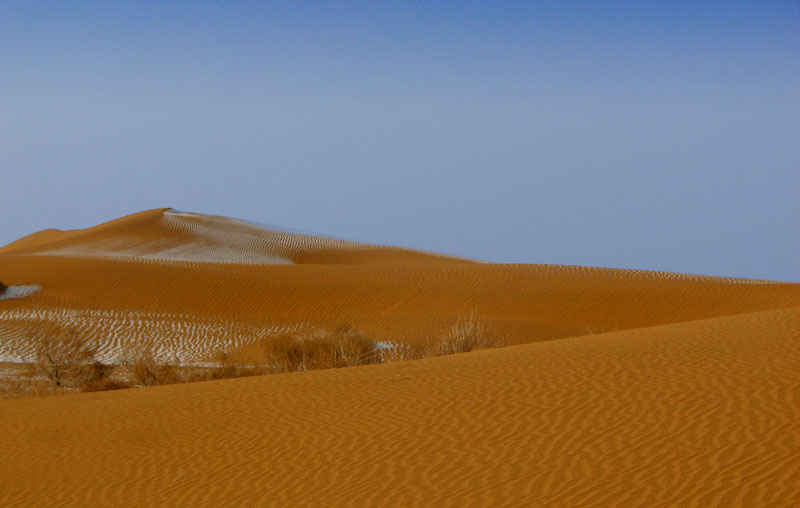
column 189, row 285
column 169, row 235
column 701, row 413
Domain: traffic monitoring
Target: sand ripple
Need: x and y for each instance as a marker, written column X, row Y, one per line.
column 690, row 414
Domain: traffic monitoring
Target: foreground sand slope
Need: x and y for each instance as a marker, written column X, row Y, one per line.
column 700, row 413
column 156, row 279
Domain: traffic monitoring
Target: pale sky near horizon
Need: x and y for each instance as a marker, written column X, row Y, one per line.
column 661, row 135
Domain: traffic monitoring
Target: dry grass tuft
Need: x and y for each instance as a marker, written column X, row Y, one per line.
column 229, row 366
column 104, row 382
column 342, row 347
column 398, row 352
column 467, row 334
column 145, row 370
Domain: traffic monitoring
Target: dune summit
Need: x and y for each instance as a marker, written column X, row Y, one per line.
column 168, row 235
column 618, row 387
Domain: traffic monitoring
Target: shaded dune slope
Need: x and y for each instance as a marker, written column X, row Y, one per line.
column 701, row 413
column 155, row 279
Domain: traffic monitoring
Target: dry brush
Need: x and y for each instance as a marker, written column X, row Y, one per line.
column 65, row 361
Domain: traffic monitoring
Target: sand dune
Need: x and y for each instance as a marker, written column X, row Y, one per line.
column 702, row 413
column 154, row 278
column 169, row 235
column 625, row 388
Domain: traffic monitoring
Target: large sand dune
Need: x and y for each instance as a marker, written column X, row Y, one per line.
column 702, row 413
column 157, row 278
column 170, row 235
column 626, row 388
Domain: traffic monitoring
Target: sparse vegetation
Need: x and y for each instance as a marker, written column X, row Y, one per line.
column 64, row 361
column 398, row 352
column 145, row 370
column 342, row 347
column 100, row 379
column 230, row 366
column 467, row 334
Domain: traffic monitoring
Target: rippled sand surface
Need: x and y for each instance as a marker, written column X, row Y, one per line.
column 625, row 388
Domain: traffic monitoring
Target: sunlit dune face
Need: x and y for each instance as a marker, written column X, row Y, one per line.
column 655, row 416
column 169, row 235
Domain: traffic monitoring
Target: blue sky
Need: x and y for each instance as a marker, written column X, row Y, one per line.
column 656, row 135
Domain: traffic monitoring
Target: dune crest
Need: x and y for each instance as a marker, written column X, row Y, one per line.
column 168, row 235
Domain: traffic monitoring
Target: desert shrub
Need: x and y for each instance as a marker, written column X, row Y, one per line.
column 281, row 353
column 467, row 334
column 145, row 370
column 349, row 348
column 99, row 378
column 95, row 373
column 103, row 384
column 229, row 366
column 64, row 359
column 342, row 347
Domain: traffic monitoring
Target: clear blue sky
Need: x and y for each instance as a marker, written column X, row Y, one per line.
column 661, row 135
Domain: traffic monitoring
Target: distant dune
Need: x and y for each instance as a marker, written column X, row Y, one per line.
column 620, row 387
column 169, row 235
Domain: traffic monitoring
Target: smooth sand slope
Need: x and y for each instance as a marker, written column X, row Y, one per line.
column 701, row 413
column 188, row 286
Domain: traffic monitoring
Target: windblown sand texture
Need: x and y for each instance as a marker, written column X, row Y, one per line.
column 189, row 286
column 702, row 413
column 627, row 388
